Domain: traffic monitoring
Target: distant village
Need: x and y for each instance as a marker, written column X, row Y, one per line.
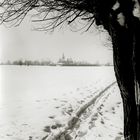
column 63, row 61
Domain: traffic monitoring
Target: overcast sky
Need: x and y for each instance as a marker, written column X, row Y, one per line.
column 23, row 43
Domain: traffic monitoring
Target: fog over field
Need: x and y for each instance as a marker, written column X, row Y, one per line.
column 23, row 43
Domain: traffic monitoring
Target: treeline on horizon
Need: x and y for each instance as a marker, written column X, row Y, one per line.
column 50, row 63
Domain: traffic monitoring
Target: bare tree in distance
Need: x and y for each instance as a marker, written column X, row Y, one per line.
column 121, row 19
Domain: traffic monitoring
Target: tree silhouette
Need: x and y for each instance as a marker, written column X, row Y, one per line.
column 121, row 18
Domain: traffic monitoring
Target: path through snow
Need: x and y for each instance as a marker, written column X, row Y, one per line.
column 98, row 119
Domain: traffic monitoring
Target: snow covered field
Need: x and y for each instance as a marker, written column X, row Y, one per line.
column 36, row 101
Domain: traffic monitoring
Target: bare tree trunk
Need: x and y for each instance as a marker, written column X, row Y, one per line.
column 137, row 79
column 126, row 43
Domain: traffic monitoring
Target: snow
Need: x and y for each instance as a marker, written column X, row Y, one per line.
column 105, row 121
column 38, row 100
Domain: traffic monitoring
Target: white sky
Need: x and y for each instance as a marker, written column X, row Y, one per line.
column 22, row 43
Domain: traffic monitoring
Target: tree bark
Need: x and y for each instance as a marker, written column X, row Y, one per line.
column 126, row 43
column 137, row 69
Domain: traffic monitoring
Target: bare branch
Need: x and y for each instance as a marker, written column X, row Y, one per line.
column 50, row 13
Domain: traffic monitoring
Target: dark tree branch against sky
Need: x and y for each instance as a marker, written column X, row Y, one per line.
column 121, row 18
column 54, row 13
